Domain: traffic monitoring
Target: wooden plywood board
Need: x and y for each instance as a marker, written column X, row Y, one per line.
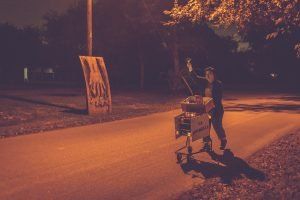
column 98, row 94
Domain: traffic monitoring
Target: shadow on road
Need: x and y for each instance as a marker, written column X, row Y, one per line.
column 274, row 107
column 285, row 98
column 233, row 168
column 283, row 103
column 68, row 109
column 64, row 95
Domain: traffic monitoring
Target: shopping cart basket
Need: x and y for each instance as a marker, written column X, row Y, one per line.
column 194, row 124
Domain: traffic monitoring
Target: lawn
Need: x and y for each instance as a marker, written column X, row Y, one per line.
column 37, row 110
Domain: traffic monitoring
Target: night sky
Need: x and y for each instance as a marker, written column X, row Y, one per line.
column 29, row 12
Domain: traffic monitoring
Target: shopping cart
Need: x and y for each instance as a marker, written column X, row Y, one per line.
column 194, row 124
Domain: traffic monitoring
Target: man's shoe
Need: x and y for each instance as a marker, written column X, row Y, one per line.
column 223, row 144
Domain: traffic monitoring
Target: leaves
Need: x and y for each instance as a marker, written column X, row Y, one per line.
column 281, row 16
column 272, row 35
column 297, row 49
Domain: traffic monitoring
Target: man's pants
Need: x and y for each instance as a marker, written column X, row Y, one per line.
column 216, row 122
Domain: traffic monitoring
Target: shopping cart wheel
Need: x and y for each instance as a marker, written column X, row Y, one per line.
column 179, row 157
column 207, row 147
column 190, row 150
column 188, row 158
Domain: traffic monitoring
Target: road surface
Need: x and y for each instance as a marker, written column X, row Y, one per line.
column 134, row 158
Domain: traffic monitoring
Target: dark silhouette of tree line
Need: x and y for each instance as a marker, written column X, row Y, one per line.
column 140, row 50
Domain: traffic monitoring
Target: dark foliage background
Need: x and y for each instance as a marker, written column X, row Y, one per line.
column 130, row 35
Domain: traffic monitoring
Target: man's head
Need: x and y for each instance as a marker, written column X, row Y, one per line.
column 210, row 74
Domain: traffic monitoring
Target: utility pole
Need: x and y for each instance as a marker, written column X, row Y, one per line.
column 98, row 96
column 89, row 27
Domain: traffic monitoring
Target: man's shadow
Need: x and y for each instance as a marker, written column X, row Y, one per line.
column 232, row 168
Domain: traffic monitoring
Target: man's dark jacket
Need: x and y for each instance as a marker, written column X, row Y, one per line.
column 198, row 84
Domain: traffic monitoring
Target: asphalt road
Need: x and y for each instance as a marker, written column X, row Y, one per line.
column 134, row 158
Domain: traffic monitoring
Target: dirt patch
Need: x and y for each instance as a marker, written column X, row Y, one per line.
column 33, row 111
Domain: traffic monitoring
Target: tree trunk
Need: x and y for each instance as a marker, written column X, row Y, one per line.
column 174, row 77
column 142, row 71
column 176, row 56
column 141, row 64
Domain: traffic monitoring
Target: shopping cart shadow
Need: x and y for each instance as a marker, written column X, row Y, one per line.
column 227, row 167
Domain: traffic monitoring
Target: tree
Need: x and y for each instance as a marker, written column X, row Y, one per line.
column 277, row 17
column 130, row 35
column 65, row 38
column 125, row 33
column 19, row 48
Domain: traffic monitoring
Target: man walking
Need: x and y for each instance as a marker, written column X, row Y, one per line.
column 213, row 89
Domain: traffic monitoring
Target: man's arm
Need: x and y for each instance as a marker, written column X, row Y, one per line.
column 196, row 76
column 192, row 73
